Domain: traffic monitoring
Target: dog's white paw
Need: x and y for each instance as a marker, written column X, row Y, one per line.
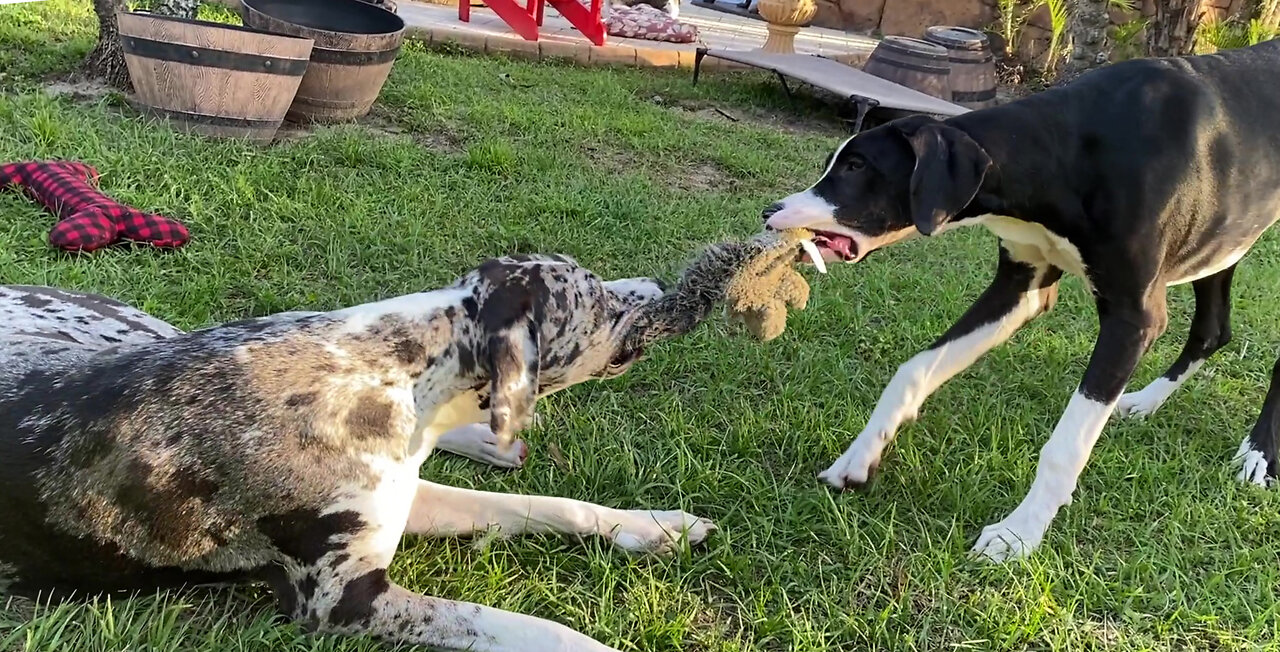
column 1147, row 400
column 514, row 458
column 1136, row 405
column 855, row 468
column 1009, row 539
column 1253, row 465
column 477, row 442
column 486, row 450
column 659, row 532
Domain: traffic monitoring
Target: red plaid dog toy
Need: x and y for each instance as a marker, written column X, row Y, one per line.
column 88, row 219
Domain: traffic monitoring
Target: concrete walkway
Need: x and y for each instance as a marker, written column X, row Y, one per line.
column 486, row 32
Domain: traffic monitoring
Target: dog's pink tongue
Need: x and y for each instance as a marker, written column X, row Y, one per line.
column 841, row 245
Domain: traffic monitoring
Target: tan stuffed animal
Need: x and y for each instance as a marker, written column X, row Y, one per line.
column 766, row 285
column 754, row 278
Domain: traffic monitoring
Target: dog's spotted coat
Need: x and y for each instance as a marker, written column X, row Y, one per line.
column 286, row 449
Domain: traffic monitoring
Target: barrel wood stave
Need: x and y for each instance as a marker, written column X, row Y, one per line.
column 348, row 69
column 973, row 68
column 913, row 63
column 218, row 80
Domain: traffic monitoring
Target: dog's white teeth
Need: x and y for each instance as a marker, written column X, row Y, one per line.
column 814, row 255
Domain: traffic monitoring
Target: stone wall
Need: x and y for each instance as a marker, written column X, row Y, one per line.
column 902, row 17
column 1100, row 37
column 911, row 17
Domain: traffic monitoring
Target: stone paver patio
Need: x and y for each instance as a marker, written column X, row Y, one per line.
column 438, row 23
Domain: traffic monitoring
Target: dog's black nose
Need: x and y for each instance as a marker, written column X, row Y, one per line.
column 770, row 210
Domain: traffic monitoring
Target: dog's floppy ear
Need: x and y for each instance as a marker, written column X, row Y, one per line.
column 513, row 355
column 950, row 167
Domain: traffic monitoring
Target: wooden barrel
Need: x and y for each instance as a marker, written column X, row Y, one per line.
column 209, row 78
column 356, row 45
column 973, row 68
column 913, row 63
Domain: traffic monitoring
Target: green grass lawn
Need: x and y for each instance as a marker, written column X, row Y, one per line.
column 630, row 171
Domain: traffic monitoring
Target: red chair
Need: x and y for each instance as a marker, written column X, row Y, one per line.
column 526, row 20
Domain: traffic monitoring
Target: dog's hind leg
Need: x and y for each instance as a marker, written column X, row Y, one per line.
column 333, row 579
column 1018, row 293
column 1210, row 331
column 477, row 442
column 440, row 510
column 1258, row 452
column 356, row 598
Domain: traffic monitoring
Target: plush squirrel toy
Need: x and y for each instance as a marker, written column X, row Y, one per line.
column 759, row 294
column 755, row 278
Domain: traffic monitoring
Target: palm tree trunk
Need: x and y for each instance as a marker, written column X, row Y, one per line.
column 1172, row 31
column 106, row 60
column 1087, row 31
column 1267, row 12
column 177, row 8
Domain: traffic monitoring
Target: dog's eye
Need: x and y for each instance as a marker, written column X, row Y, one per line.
column 856, row 162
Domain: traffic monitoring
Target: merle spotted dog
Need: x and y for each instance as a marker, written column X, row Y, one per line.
column 286, row 449
column 1134, row 177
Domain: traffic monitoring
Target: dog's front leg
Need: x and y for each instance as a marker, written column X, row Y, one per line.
column 475, row 441
column 1124, row 336
column 1018, row 293
column 439, row 510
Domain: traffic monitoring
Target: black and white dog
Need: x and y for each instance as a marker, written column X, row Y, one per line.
column 286, row 449
column 1134, row 177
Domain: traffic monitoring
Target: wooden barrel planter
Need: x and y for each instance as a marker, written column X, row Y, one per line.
column 973, row 68
column 212, row 79
column 356, row 44
column 913, row 63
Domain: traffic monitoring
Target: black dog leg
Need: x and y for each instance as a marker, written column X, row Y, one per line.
column 1210, row 331
column 1018, row 293
column 1258, row 452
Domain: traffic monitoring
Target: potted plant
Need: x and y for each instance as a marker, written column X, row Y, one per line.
column 785, row 18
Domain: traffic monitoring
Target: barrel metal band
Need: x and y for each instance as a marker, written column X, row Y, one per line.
column 211, row 120
column 916, row 67
column 210, row 58
column 353, row 58
column 928, row 56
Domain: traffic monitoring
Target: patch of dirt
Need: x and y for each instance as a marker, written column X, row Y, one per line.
column 80, row 90
column 1015, row 81
column 289, row 131
column 443, row 140
column 794, row 121
column 609, row 159
column 703, row 177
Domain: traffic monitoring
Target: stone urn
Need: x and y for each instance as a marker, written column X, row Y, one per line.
column 785, row 18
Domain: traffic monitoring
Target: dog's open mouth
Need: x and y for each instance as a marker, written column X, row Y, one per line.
column 827, row 246
column 842, row 246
